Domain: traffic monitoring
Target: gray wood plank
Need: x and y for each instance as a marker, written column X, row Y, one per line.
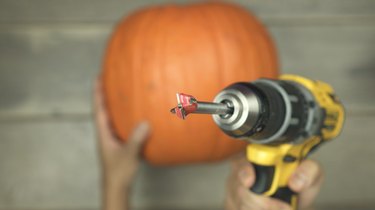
column 348, row 164
column 337, row 207
column 50, row 163
column 343, row 56
column 93, row 10
column 192, row 186
column 49, row 70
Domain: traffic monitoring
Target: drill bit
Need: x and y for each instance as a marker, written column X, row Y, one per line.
column 188, row 104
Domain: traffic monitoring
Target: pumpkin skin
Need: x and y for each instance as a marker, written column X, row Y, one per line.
column 197, row 49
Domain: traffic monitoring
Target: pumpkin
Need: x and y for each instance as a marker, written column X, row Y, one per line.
column 198, row 49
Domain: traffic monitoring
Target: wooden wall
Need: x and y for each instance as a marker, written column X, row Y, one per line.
column 51, row 51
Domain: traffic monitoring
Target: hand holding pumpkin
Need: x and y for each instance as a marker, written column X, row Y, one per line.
column 306, row 181
column 198, row 48
column 119, row 160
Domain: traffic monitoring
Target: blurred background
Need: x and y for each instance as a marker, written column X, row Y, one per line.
column 51, row 52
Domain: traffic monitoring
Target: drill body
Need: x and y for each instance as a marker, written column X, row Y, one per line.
column 283, row 120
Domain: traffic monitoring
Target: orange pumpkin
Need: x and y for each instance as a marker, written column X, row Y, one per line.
column 197, row 49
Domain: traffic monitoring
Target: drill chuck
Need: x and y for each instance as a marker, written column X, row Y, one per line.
column 247, row 110
column 268, row 111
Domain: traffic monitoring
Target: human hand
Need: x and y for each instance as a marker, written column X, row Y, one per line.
column 306, row 181
column 119, row 160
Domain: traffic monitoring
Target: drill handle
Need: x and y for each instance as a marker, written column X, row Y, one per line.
column 273, row 169
column 265, row 178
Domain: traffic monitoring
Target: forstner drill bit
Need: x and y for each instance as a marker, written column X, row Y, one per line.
column 187, row 104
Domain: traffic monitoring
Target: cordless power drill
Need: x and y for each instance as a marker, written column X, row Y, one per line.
column 283, row 120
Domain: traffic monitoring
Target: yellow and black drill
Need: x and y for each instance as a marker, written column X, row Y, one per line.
column 284, row 120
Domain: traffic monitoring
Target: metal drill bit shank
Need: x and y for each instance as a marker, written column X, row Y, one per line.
column 213, row 108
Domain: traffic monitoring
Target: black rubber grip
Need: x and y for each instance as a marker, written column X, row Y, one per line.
column 263, row 182
column 285, row 194
column 263, row 178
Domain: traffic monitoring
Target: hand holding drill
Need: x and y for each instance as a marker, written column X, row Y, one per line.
column 283, row 120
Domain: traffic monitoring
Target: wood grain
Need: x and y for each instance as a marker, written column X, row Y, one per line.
column 50, row 70
column 94, row 11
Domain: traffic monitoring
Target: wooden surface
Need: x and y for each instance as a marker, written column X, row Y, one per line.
column 51, row 52
column 111, row 10
column 49, row 70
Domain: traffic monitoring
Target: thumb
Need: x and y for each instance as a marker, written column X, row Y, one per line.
column 247, row 175
column 138, row 137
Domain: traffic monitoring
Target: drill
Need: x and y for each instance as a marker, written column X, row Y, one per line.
column 283, row 120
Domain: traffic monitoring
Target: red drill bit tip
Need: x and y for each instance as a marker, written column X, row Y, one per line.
column 186, row 104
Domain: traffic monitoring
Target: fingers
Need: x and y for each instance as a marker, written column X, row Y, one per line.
column 101, row 117
column 107, row 138
column 138, row 137
column 246, row 175
column 307, row 181
column 306, row 175
column 252, row 201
